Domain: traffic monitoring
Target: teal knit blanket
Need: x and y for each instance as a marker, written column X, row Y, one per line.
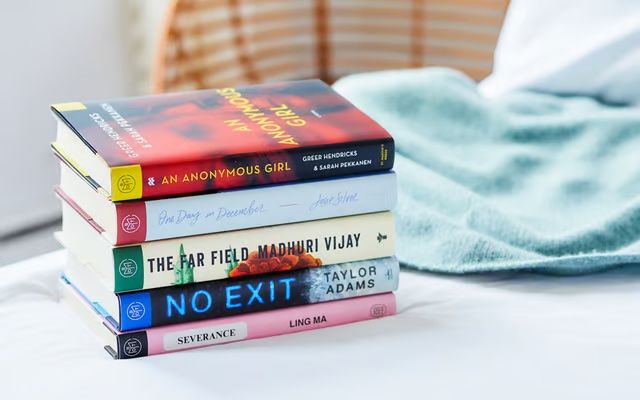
column 527, row 182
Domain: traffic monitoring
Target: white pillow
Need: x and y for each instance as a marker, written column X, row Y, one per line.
column 589, row 47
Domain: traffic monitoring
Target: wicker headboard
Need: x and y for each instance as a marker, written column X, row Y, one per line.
column 209, row 43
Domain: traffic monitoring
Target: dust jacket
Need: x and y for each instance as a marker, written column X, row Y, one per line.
column 194, row 142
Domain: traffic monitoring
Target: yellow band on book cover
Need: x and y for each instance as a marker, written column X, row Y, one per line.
column 126, row 182
column 72, row 106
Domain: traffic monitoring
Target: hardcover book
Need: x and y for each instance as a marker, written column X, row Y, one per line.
column 138, row 221
column 193, row 142
column 227, row 254
column 122, row 345
column 215, row 299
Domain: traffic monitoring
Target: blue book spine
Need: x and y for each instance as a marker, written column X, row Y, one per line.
column 215, row 299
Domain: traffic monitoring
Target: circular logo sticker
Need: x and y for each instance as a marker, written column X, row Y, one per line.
column 135, row 310
column 378, row 310
column 132, row 347
column 127, row 268
column 126, row 183
column 130, row 223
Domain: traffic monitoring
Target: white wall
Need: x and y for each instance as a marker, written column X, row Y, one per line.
column 146, row 21
column 52, row 51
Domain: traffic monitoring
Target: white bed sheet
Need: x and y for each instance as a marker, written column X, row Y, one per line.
column 507, row 336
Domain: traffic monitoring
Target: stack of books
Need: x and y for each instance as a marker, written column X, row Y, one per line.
column 214, row 216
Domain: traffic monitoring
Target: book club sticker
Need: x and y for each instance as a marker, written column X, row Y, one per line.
column 132, row 347
column 378, row 310
column 126, row 183
column 130, row 223
column 135, row 311
column 127, row 268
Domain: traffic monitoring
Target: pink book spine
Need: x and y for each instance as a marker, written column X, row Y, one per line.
column 259, row 325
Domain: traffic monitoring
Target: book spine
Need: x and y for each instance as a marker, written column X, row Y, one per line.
column 206, row 300
column 140, row 221
column 132, row 182
column 253, row 326
column 276, row 248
